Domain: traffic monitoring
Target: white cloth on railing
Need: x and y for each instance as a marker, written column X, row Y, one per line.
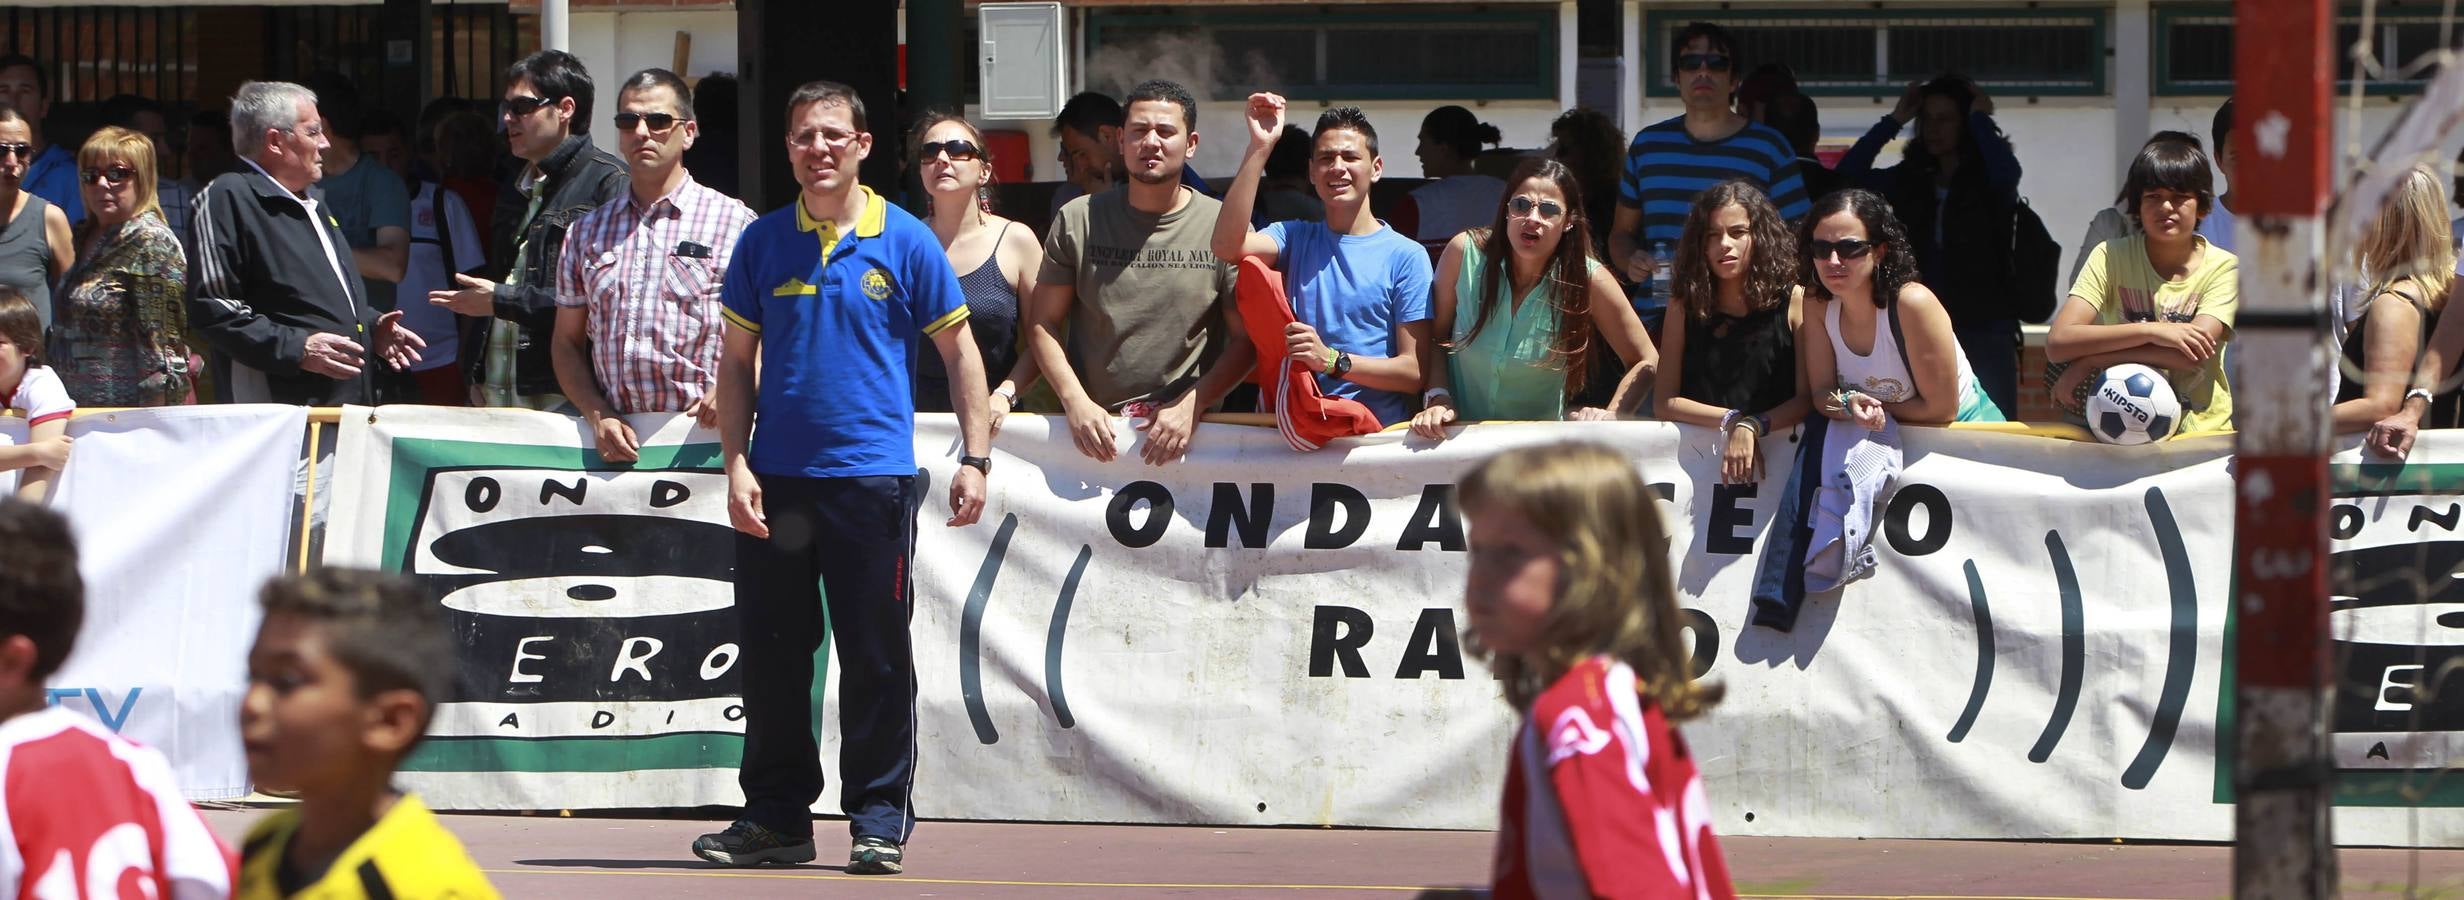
column 1858, row 466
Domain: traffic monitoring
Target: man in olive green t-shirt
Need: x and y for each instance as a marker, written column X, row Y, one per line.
column 1152, row 321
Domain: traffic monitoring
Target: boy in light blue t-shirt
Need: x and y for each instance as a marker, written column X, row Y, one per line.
column 1359, row 289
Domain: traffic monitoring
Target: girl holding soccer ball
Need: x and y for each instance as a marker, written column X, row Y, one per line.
column 1878, row 346
column 2161, row 296
column 1602, row 795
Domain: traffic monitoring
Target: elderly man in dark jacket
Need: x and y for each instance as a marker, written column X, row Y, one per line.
column 507, row 327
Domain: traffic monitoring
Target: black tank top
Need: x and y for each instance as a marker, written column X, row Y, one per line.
column 992, row 316
column 2446, row 406
column 1746, row 362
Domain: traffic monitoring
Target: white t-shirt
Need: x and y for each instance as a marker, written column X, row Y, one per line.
column 41, row 396
column 428, row 270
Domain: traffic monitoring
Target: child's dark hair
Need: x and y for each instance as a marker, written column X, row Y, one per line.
column 41, row 594
column 2173, row 161
column 379, row 626
column 1769, row 274
column 1346, row 118
column 21, row 324
column 2221, row 127
column 1894, row 258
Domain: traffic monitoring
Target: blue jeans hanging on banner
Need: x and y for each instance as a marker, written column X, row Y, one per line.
column 1779, row 578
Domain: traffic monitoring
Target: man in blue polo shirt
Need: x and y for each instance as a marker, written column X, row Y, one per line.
column 827, row 296
column 1359, row 289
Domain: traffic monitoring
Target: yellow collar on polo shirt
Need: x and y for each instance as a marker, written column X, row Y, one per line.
column 868, row 224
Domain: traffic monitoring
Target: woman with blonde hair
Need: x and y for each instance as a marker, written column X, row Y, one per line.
column 2407, row 258
column 1572, row 603
column 119, row 326
column 997, row 260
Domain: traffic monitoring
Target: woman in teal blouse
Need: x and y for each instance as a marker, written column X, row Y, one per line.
column 1538, row 305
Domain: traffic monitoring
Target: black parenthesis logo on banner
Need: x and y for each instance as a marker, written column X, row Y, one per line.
column 2074, row 650
column 971, row 631
column 2181, row 661
column 1982, row 612
column 1937, row 520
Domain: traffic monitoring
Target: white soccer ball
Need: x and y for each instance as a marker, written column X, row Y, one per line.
column 2133, row 404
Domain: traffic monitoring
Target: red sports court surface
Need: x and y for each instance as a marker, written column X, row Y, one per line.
column 620, row 859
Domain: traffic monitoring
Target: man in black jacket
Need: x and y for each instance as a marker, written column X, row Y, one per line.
column 275, row 289
column 508, row 327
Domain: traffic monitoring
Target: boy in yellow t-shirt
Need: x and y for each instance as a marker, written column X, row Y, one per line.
column 2161, row 296
column 341, row 684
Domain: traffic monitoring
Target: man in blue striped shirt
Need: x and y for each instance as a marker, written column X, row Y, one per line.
column 1670, row 162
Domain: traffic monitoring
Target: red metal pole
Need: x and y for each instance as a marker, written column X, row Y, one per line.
column 2283, row 844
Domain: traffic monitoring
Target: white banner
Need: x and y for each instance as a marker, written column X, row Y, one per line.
column 1256, row 636
column 180, row 514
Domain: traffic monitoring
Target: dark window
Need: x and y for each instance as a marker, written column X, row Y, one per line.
column 1331, row 52
column 1877, row 52
column 2195, row 48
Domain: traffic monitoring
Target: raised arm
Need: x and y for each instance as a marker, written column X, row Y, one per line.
column 1232, row 238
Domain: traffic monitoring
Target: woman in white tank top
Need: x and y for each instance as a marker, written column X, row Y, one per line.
column 1856, row 250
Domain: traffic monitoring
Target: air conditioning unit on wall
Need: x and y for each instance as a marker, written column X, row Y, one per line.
column 1022, row 61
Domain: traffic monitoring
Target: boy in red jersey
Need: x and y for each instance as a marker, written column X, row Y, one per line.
column 83, row 813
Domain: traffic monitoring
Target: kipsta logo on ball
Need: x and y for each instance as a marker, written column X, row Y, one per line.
column 2133, row 404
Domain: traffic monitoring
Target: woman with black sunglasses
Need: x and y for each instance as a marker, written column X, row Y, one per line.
column 119, row 333
column 997, row 261
column 1878, row 345
column 35, row 245
column 1538, row 305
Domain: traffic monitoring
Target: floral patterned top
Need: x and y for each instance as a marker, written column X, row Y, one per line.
column 119, row 331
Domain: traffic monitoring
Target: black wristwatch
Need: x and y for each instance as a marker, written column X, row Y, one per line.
column 981, row 463
column 1343, row 364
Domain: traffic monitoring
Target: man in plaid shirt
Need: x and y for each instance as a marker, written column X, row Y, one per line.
column 637, row 292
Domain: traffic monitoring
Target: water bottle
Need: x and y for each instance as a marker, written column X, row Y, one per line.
column 1661, row 278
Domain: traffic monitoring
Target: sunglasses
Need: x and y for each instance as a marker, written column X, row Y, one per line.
column 523, row 106
column 21, row 151
column 1521, row 207
column 1847, row 248
column 110, row 176
column 959, row 150
column 659, row 122
column 1716, row 62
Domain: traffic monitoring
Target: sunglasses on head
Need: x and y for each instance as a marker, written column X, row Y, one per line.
column 959, row 150
column 1521, row 207
column 1716, row 62
column 523, row 106
column 110, row 176
column 21, row 151
column 659, row 122
column 1847, row 248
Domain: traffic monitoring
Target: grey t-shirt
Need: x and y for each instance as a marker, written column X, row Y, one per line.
column 1154, row 304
